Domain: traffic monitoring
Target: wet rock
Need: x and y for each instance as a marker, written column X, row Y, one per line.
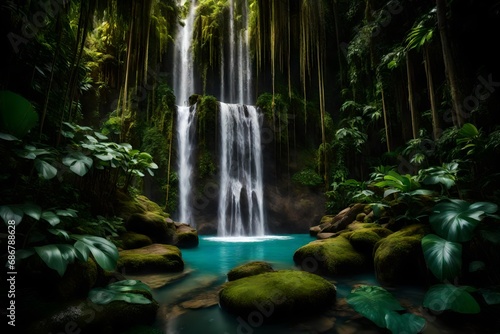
column 152, row 258
column 249, row 269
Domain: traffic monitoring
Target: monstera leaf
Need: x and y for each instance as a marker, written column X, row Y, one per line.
column 407, row 323
column 455, row 220
column 443, row 297
column 126, row 290
column 443, row 257
column 104, row 252
column 373, row 302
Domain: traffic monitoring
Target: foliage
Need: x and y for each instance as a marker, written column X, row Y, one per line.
column 380, row 306
column 17, row 116
column 58, row 255
column 307, row 177
column 441, row 297
column 130, row 291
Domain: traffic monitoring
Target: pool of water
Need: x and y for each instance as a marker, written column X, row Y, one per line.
column 205, row 270
column 189, row 304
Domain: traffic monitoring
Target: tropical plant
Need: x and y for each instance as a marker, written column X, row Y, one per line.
column 455, row 222
column 56, row 246
column 130, row 291
column 381, row 307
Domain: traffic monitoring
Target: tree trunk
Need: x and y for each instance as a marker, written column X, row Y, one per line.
column 411, row 99
column 436, row 131
column 449, row 65
column 386, row 122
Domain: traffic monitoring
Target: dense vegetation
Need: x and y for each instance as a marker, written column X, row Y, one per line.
column 390, row 103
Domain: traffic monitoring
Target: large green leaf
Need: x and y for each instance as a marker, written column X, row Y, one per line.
column 443, row 297
column 56, row 256
column 105, row 253
column 456, row 219
column 33, row 210
column 9, row 213
column 51, row 218
column 443, row 257
column 373, row 302
column 78, row 163
column 407, row 323
column 491, row 296
column 45, row 170
column 115, row 291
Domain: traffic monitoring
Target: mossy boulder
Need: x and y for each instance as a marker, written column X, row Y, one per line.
column 153, row 258
column 152, row 224
column 249, row 269
column 131, row 240
column 185, row 236
column 398, row 258
column 334, row 256
column 364, row 239
column 275, row 295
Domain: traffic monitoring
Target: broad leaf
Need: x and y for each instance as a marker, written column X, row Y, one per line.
column 373, row 302
column 45, row 170
column 491, row 296
column 443, row 257
column 456, row 219
column 78, row 163
column 407, row 323
column 33, row 210
column 51, row 217
column 443, row 297
column 9, row 213
column 129, row 285
column 105, row 253
column 106, row 296
column 56, row 256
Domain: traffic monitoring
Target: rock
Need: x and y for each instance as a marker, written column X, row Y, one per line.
column 153, row 225
column 398, row 258
column 325, row 235
column 158, row 280
column 344, row 218
column 333, row 256
column 152, row 258
column 207, row 229
column 249, row 269
column 131, row 240
column 86, row 317
column 278, row 294
column 185, row 236
column 364, row 239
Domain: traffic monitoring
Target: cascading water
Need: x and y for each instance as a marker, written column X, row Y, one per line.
column 183, row 86
column 241, row 211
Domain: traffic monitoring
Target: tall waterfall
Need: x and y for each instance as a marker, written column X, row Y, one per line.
column 239, row 74
column 241, row 210
column 183, row 87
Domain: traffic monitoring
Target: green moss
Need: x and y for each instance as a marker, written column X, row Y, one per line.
column 153, row 225
column 187, row 239
column 130, row 240
column 249, row 269
column 78, row 279
column 334, row 256
column 364, row 239
column 278, row 294
column 153, row 258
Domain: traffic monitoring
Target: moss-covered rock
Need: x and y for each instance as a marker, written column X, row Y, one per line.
column 249, row 269
column 398, row 258
column 334, row 256
column 278, row 294
column 364, row 239
column 131, row 240
column 152, row 258
column 185, row 236
column 153, row 225
column 78, row 279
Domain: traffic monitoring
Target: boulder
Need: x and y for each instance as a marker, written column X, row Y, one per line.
column 364, row 239
column 153, row 258
column 398, row 258
column 131, row 240
column 275, row 295
column 333, row 256
column 153, row 225
column 249, row 269
column 185, row 236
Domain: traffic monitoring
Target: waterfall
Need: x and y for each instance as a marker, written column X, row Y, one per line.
column 239, row 90
column 241, row 209
column 183, row 87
